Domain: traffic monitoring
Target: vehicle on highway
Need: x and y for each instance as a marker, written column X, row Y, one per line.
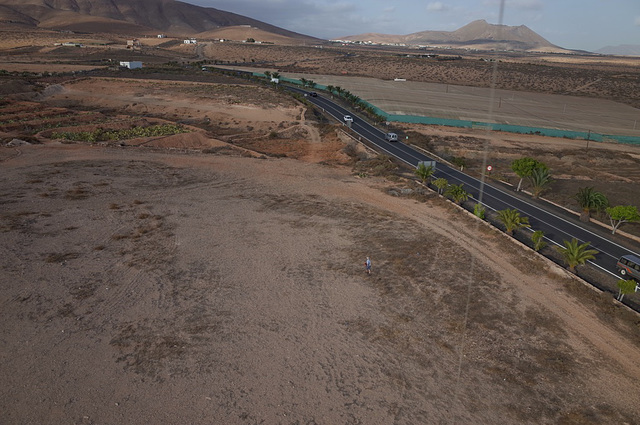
column 348, row 118
column 391, row 137
column 629, row 265
column 313, row 94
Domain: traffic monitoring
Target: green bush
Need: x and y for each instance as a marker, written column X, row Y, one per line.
column 102, row 135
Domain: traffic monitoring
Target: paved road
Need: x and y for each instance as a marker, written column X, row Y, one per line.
column 556, row 226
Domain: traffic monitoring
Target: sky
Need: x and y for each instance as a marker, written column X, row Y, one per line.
column 572, row 24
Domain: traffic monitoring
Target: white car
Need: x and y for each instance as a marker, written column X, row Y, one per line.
column 348, row 118
column 391, row 137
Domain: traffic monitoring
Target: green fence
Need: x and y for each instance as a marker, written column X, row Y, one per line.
column 509, row 128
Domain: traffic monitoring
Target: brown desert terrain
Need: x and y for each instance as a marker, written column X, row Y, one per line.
column 214, row 273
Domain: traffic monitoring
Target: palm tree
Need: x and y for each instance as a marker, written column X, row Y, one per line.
column 330, row 88
column 424, row 172
column 540, row 178
column 538, row 240
column 457, row 193
column 268, row 75
column 304, row 82
column 590, row 200
column 479, row 211
column 575, row 255
column 275, row 75
column 379, row 118
column 523, row 167
column 512, row 220
column 625, row 287
column 459, row 161
column 441, row 184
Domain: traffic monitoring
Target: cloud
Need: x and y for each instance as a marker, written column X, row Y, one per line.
column 517, row 4
column 525, row 4
column 437, row 6
column 320, row 18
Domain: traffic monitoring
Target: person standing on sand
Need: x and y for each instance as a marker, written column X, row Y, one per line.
column 367, row 265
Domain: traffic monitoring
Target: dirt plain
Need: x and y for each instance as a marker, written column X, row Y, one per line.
column 216, row 276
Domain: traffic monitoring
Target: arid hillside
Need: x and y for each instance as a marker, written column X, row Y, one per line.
column 134, row 17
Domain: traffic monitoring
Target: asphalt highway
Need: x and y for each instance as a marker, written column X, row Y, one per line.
column 556, row 227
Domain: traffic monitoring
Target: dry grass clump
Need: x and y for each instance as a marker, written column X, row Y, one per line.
column 61, row 257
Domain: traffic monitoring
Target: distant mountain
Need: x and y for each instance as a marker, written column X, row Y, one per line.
column 129, row 17
column 622, row 50
column 476, row 35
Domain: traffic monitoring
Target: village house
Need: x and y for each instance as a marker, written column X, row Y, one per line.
column 133, row 44
column 131, row 64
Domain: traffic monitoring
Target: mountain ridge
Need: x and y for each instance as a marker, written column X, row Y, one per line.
column 476, row 35
column 620, row 50
column 134, row 16
column 177, row 18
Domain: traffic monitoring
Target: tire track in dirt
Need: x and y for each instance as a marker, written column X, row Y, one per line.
column 572, row 314
column 10, row 157
column 118, row 296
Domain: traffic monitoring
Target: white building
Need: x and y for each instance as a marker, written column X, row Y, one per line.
column 131, row 65
column 191, row 41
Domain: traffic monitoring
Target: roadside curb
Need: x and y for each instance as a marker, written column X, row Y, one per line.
column 594, row 221
column 547, row 261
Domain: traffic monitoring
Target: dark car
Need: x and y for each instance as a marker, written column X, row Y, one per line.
column 313, row 94
column 629, row 267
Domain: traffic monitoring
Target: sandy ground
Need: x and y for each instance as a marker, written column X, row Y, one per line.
column 162, row 288
column 142, row 284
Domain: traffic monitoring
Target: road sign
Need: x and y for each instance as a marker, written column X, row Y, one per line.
column 489, row 168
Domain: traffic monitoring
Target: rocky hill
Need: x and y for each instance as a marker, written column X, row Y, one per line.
column 141, row 17
column 621, row 50
column 476, row 35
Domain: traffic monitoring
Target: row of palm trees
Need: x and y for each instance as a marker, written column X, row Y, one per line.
column 510, row 218
column 351, row 98
column 356, row 102
column 573, row 252
column 589, row 200
column 340, row 92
